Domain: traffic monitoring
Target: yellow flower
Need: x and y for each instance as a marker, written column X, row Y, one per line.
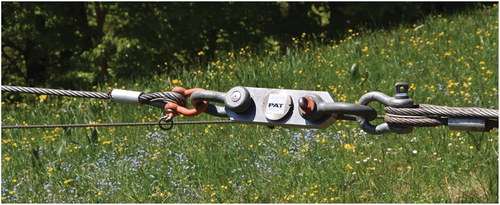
column 249, row 181
column 256, row 197
column 409, row 167
column 201, row 53
column 285, row 151
column 175, row 81
column 349, row 147
column 349, row 166
column 43, row 97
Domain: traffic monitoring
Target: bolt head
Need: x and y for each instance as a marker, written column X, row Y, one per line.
column 235, row 96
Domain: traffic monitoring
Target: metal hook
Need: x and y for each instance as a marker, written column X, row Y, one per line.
column 166, row 118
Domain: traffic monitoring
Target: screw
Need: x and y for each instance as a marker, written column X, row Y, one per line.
column 235, row 96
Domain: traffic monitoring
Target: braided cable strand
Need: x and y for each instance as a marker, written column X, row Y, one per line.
column 416, row 122
column 435, row 110
column 172, row 97
column 45, row 91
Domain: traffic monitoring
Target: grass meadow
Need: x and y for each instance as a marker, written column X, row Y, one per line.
column 447, row 60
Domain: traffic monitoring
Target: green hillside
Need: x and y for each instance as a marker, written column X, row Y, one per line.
column 447, row 60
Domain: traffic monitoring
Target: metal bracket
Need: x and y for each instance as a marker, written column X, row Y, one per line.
column 275, row 107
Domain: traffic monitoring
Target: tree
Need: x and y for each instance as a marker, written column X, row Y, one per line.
column 76, row 45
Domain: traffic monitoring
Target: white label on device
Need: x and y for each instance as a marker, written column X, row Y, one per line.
column 276, row 104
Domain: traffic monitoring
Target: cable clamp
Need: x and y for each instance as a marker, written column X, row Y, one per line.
column 125, row 96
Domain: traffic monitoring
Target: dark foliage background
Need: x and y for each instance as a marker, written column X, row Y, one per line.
column 77, row 45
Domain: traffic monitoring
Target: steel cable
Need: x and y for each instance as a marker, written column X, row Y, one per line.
column 144, row 98
column 415, row 121
column 45, row 91
column 444, row 111
column 424, row 115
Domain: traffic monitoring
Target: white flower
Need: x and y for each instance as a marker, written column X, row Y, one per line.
column 414, row 151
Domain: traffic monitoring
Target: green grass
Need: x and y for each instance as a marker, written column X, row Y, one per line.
column 447, row 60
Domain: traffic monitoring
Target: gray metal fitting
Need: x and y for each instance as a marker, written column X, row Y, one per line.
column 208, row 95
column 385, row 100
column 125, row 96
column 400, row 100
column 238, row 99
column 401, row 90
column 382, row 128
column 468, row 124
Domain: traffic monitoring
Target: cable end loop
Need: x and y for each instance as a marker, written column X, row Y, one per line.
column 169, row 117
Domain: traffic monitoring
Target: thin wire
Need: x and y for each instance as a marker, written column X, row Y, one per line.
column 115, row 124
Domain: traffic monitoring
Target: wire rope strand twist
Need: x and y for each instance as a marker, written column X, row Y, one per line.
column 46, row 91
column 415, row 121
column 172, row 97
column 436, row 110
